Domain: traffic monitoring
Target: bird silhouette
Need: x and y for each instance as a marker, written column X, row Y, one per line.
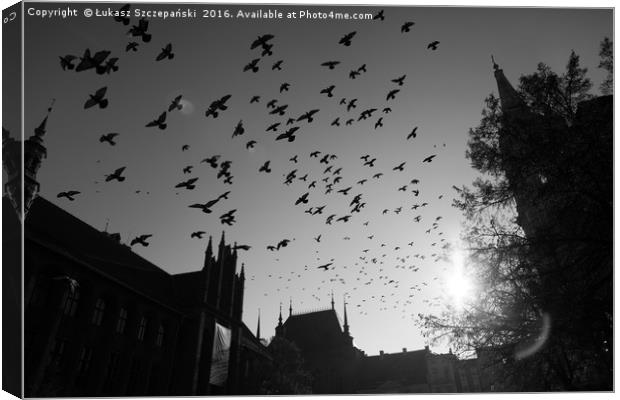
column 242, row 247
column 109, row 138
column 413, row 133
column 308, row 115
column 272, row 103
column 284, row 87
column 288, row 135
column 66, row 62
column 261, row 41
column 265, row 167
column 110, row 66
column 267, row 50
column 68, row 195
column 335, row 122
column 433, row 45
column 399, row 167
column 132, row 46
column 328, row 91
column 280, row 110
column 141, row 240
column 293, row 159
column 228, row 218
column 123, row 13
column 330, row 64
column 346, row 39
column 400, row 80
column 352, row 104
column 87, row 62
column 391, row 94
column 302, row 199
column 206, row 208
column 344, row 218
column 197, row 234
column 188, row 169
column 212, row 161
column 353, row 74
column 217, row 105
column 379, row 16
column 188, row 184
column 250, row 145
column 97, row 99
column 160, row 122
column 254, row 99
column 140, row 30
column 176, row 104
column 406, row 27
column 277, row 65
column 252, row 65
column 116, row 175
column 379, row 123
column 429, row 158
column 239, row 129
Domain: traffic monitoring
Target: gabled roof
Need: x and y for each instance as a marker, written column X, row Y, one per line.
column 314, row 330
column 56, row 229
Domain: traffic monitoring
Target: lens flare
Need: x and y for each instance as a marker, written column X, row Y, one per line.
column 460, row 287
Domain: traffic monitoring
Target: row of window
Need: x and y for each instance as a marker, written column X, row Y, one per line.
column 70, row 307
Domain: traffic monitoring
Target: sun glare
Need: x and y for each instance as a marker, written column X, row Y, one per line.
column 459, row 286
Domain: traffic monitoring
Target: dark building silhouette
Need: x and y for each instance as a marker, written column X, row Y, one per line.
column 559, row 166
column 102, row 321
column 338, row 367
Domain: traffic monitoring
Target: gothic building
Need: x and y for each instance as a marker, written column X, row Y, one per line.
column 99, row 320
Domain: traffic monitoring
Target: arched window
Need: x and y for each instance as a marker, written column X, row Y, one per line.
column 98, row 312
column 72, row 297
column 122, row 321
column 160, row 336
column 142, row 328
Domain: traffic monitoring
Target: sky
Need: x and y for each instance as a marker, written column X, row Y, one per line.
column 387, row 282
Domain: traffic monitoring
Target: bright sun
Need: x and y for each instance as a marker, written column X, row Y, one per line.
column 459, row 286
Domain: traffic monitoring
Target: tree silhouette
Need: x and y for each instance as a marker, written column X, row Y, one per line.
column 540, row 237
column 286, row 375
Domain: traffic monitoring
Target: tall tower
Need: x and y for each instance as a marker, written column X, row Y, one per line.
column 345, row 327
column 258, row 326
column 34, row 153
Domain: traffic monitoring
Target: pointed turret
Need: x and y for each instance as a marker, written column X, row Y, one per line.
column 258, row 326
column 209, row 251
column 290, row 307
column 509, row 97
column 280, row 317
column 346, row 321
column 333, row 300
column 242, row 273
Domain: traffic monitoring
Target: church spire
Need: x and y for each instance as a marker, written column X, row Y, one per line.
column 509, row 97
column 258, row 326
column 280, row 317
column 346, row 321
column 210, row 247
column 333, row 300
column 290, row 307
column 222, row 240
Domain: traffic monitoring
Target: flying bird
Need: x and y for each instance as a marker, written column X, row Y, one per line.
column 277, row 65
column 399, row 167
column 400, row 80
column 250, row 145
column 88, row 62
column 308, row 116
column 273, row 127
column 429, row 158
column 97, row 99
column 116, row 175
column 123, row 13
column 141, row 240
column 379, row 16
column 160, row 122
column 239, row 129
column 433, row 45
column 330, row 64
column 303, row 199
column 252, row 65
column 176, row 104
column 265, row 167
column 413, row 133
column 217, row 105
column 132, row 46
column 188, row 184
column 108, row 137
column 197, row 234
column 68, row 195
column 346, row 39
column 406, row 26
column 110, row 66
column 140, row 30
column 66, row 62
column 391, row 94
column 328, row 91
column 261, row 41
column 284, row 87
column 254, row 99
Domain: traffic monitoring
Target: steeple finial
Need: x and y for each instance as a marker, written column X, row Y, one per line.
column 209, row 250
column 222, row 240
column 39, row 132
column 495, row 66
column 280, row 317
column 258, row 326
column 290, row 306
column 346, row 321
column 332, row 300
column 242, row 274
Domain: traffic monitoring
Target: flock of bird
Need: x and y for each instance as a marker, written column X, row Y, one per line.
column 314, row 191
